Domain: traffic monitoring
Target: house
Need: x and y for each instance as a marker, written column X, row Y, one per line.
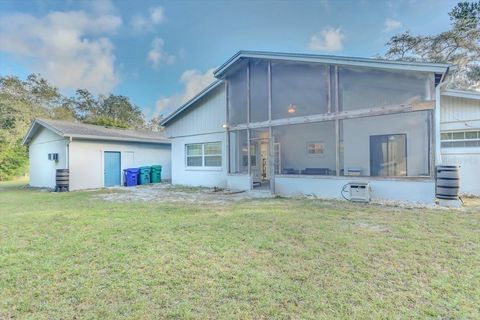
column 460, row 136
column 313, row 124
column 94, row 155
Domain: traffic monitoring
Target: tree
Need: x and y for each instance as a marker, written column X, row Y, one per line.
column 17, row 110
column 23, row 101
column 111, row 110
column 86, row 105
column 459, row 46
column 154, row 124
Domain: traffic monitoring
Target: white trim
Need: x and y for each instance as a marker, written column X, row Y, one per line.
column 106, row 138
column 203, row 155
column 329, row 59
column 39, row 122
column 462, row 94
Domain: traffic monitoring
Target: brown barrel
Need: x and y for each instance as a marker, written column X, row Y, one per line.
column 62, row 178
column 448, row 182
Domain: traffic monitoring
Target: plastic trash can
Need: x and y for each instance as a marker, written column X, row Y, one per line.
column 130, row 177
column 145, row 174
column 156, row 176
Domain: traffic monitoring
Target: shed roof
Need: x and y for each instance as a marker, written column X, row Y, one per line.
column 330, row 59
column 77, row 130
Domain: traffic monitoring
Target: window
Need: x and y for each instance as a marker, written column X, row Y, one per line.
column 369, row 146
column 315, row 148
column 460, row 139
column 238, row 151
column 298, row 89
column 301, row 153
column 258, row 90
column 253, row 156
column 361, row 88
column 388, row 155
column 204, row 154
column 237, row 96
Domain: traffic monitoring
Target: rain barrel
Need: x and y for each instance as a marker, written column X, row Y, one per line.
column 62, row 180
column 448, row 182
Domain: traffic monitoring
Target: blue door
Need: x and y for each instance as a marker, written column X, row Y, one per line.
column 111, row 170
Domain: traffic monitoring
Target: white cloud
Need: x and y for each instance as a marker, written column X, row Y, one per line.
column 141, row 22
column 68, row 48
column 157, row 55
column 329, row 39
column 157, row 15
column 391, row 25
column 194, row 81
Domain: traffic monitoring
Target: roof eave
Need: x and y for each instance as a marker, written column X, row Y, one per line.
column 93, row 137
column 462, row 94
column 337, row 60
column 35, row 123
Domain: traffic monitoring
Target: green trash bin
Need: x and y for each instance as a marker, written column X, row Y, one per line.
column 145, row 175
column 156, row 173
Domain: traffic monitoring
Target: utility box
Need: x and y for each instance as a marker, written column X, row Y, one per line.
column 359, row 191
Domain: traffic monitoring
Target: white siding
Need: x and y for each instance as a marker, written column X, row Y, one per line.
column 86, row 160
column 207, row 177
column 381, row 190
column 462, row 114
column 206, row 116
column 469, row 161
column 459, row 113
column 42, row 170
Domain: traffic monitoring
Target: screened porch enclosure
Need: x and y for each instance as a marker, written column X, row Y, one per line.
column 312, row 119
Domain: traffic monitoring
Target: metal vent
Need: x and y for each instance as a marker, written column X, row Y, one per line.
column 359, row 191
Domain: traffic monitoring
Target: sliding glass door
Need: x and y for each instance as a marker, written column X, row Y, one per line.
column 388, row 155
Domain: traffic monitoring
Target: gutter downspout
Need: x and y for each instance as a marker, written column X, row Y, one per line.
column 438, row 89
column 67, row 162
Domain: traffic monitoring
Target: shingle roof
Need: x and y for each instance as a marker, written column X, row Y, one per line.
column 77, row 130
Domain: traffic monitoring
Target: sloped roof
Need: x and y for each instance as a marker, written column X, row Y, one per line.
column 77, row 130
column 189, row 103
column 330, row 59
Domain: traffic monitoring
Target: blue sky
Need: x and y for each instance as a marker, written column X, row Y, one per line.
column 160, row 53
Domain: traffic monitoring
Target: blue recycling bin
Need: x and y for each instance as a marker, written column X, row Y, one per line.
column 130, row 176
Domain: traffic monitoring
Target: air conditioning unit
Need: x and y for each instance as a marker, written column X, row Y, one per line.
column 359, row 191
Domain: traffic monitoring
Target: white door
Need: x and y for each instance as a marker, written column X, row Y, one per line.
column 128, row 161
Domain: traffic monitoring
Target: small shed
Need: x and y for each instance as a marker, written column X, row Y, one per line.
column 95, row 155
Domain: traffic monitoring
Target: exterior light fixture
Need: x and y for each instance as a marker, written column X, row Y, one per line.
column 225, row 126
column 292, row 108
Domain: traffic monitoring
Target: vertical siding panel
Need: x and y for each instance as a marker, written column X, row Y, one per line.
column 458, row 109
column 206, row 116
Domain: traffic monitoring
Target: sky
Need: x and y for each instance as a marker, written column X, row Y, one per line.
column 161, row 53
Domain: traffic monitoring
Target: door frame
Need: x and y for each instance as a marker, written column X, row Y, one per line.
column 258, row 162
column 103, row 165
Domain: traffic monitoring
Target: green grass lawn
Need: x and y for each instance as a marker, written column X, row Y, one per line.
column 71, row 255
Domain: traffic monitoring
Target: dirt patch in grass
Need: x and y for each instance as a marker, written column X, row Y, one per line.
column 164, row 192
